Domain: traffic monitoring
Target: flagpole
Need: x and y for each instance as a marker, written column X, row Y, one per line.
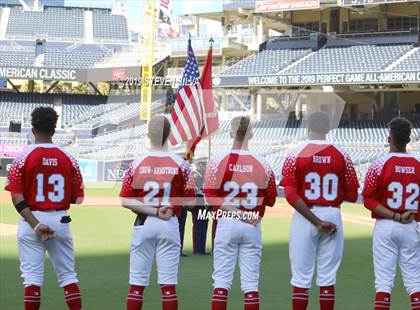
column 209, row 155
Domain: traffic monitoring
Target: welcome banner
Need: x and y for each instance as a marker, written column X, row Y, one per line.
column 11, row 150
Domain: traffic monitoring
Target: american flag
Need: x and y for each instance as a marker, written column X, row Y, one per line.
column 188, row 120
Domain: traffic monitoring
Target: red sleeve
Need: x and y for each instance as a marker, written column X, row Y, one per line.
column 291, row 194
column 211, row 186
column 77, row 190
column 189, row 187
column 288, row 172
column 351, row 182
column 370, row 188
column 127, row 189
column 271, row 193
column 14, row 181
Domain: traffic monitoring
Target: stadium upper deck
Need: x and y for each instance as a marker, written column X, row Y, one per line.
column 60, row 37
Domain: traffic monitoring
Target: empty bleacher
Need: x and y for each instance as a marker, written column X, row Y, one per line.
column 341, row 54
column 266, row 62
column 18, row 106
column 67, row 59
column 66, row 23
column 22, row 59
column 108, row 27
column 359, row 58
column 410, row 63
column 59, row 23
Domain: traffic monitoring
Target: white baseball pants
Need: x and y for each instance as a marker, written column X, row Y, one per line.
column 60, row 250
column 155, row 238
column 308, row 245
column 396, row 243
column 237, row 241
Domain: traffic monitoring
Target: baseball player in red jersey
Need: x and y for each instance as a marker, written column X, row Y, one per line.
column 155, row 187
column 317, row 177
column 44, row 181
column 391, row 192
column 242, row 183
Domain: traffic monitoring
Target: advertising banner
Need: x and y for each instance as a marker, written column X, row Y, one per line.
column 34, row 73
column 381, row 77
column 367, row 2
column 6, row 164
column 114, row 171
column 11, row 150
column 89, row 170
column 262, row 6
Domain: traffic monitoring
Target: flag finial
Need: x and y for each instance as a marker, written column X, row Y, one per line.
column 211, row 41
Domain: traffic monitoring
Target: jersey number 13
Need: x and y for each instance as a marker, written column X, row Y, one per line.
column 57, row 194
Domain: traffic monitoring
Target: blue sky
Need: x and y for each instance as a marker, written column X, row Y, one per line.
column 135, row 7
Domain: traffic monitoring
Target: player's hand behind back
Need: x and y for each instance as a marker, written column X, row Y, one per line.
column 165, row 212
column 327, row 227
column 407, row 217
column 44, row 232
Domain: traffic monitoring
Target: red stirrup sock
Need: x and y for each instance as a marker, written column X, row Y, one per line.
column 382, row 301
column 300, row 298
column 32, row 299
column 135, row 297
column 169, row 298
column 326, row 297
column 219, row 299
column 73, row 297
column 251, row 301
column 415, row 301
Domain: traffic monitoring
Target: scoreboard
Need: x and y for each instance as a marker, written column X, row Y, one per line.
column 367, row 2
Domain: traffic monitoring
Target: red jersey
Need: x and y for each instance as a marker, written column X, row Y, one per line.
column 320, row 174
column 48, row 178
column 393, row 181
column 242, row 179
column 160, row 178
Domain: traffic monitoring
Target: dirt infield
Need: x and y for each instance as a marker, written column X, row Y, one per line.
column 8, row 230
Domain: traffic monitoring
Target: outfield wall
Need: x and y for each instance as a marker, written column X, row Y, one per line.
column 92, row 170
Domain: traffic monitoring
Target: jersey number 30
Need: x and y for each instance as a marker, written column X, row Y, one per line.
column 325, row 187
column 57, row 195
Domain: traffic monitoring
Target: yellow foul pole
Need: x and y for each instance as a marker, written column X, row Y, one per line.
column 148, row 45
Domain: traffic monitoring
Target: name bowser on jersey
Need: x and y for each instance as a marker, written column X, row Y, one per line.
column 156, row 187
column 391, row 193
column 317, row 177
column 43, row 181
column 238, row 182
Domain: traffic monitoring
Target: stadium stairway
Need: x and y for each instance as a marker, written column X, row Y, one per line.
column 88, row 26
column 4, row 20
column 402, row 58
column 307, row 56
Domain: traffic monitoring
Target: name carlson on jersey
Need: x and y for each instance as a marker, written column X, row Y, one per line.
column 158, row 170
column 405, row 169
column 241, row 168
column 321, row 159
column 50, row 162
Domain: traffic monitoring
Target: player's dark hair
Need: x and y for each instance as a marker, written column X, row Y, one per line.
column 319, row 122
column 400, row 131
column 240, row 126
column 158, row 130
column 44, row 119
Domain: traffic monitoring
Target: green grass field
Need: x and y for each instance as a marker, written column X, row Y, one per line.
column 102, row 238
